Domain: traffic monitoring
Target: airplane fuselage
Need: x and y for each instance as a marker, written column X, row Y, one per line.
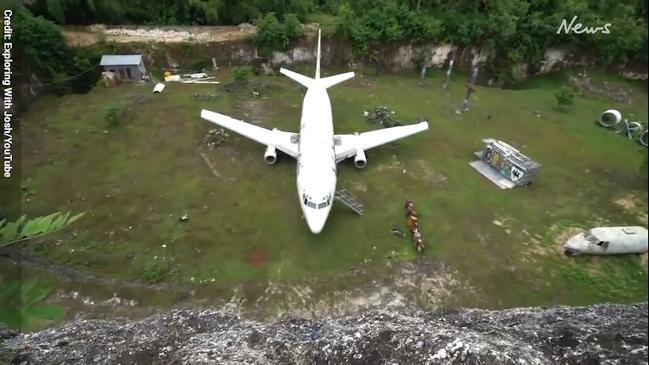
column 316, row 161
column 317, row 150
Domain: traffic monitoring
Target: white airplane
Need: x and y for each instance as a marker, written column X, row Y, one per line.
column 608, row 241
column 316, row 148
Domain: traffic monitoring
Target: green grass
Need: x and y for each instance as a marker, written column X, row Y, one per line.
column 135, row 180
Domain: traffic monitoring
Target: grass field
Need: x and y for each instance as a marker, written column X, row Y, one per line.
column 136, row 180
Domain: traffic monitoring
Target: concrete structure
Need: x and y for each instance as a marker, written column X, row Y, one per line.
column 124, row 67
column 504, row 165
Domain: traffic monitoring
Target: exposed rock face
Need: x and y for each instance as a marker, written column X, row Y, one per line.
column 598, row 334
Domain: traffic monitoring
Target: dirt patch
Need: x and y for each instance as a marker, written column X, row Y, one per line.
column 394, row 165
column 256, row 257
column 535, row 247
column 563, row 237
column 424, row 282
column 586, row 86
column 255, row 111
column 633, row 203
column 423, row 171
column 83, row 36
column 359, row 186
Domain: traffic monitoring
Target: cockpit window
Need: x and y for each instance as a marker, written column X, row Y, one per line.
column 312, row 204
column 588, row 236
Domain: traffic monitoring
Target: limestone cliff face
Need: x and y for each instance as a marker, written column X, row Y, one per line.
column 600, row 334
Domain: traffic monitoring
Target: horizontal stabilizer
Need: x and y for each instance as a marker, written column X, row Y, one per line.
column 303, row 80
column 336, row 79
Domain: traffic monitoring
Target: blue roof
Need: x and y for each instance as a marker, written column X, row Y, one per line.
column 120, row 60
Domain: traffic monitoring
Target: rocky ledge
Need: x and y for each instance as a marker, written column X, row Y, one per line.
column 599, row 334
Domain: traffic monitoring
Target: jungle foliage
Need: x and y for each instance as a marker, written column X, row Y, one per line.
column 23, row 228
column 513, row 30
column 40, row 50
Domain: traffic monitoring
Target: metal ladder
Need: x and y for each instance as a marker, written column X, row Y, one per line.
column 349, row 201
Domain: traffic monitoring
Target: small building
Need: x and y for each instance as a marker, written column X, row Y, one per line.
column 504, row 165
column 124, row 67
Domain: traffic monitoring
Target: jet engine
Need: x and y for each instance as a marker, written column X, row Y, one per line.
column 270, row 156
column 360, row 160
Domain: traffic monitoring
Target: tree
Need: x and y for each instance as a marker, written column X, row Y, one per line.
column 272, row 35
column 209, row 7
column 565, row 96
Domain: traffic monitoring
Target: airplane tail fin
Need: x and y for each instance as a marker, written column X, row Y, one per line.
column 325, row 82
column 317, row 62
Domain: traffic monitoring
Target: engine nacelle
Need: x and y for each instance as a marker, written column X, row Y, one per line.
column 270, row 156
column 360, row 160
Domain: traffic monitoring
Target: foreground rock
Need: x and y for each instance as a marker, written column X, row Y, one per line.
column 598, row 334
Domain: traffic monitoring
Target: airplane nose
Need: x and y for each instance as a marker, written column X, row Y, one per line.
column 575, row 245
column 316, row 220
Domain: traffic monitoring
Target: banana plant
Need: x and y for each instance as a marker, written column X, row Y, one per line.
column 21, row 303
column 24, row 229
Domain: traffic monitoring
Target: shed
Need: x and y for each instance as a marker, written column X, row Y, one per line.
column 504, row 165
column 124, row 67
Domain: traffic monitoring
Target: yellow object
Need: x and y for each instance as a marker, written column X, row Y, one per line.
column 167, row 73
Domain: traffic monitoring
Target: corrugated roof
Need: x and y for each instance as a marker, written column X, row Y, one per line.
column 116, row 60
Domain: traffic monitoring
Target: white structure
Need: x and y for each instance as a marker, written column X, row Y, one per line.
column 125, row 67
column 316, row 148
column 608, row 241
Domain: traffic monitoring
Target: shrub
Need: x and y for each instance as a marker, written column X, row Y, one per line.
column 564, row 97
column 113, row 115
column 293, row 27
column 273, row 35
column 270, row 36
column 242, row 73
column 155, row 271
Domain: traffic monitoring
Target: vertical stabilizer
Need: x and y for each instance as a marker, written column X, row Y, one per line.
column 317, row 62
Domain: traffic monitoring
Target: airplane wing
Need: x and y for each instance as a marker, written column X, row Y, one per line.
column 348, row 144
column 283, row 141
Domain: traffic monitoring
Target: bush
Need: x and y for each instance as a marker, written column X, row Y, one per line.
column 155, row 271
column 242, row 73
column 272, row 35
column 293, row 27
column 113, row 115
column 565, row 96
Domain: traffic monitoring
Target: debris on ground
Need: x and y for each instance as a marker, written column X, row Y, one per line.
column 382, row 116
column 191, row 78
column 204, row 96
column 158, row 88
column 214, row 138
column 586, row 86
column 184, row 218
column 398, row 232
